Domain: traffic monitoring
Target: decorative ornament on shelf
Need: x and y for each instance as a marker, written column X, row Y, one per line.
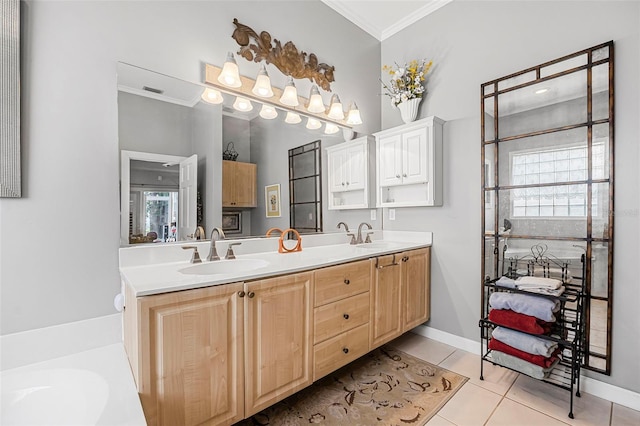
column 230, row 154
column 406, row 87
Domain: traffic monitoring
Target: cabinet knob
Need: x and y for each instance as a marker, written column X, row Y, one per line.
column 345, row 350
column 342, row 183
column 404, row 175
column 397, row 176
column 405, row 258
column 251, row 294
column 241, row 293
column 346, row 281
column 347, row 183
column 346, row 316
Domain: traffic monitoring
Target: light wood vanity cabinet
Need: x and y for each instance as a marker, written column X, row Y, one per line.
column 217, row 355
column 239, row 184
column 400, row 292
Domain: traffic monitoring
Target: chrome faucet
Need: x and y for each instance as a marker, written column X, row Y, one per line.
column 346, row 228
column 213, row 253
column 367, row 240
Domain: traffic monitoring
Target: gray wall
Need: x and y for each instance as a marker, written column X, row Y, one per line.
column 70, row 131
column 475, row 42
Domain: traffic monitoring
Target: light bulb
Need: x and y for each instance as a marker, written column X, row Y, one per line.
column 262, row 87
column 292, row 118
column 212, row 96
column 313, row 124
column 315, row 100
column 242, row 104
column 335, row 110
column 230, row 76
column 290, row 94
column 268, row 112
column 354, row 115
column 331, row 128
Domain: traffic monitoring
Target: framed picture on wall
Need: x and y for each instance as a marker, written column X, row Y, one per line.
column 272, row 200
column 232, row 222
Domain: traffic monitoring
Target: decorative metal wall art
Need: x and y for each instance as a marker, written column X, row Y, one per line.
column 287, row 58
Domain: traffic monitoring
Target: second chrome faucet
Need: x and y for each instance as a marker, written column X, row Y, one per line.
column 217, row 234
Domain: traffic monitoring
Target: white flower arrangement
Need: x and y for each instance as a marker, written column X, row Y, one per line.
column 406, row 81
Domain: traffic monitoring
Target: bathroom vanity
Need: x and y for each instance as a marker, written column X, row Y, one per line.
column 217, row 348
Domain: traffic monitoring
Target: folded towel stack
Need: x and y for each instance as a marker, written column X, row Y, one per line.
column 530, row 314
column 540, row 285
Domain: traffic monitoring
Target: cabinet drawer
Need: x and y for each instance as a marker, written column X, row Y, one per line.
column 340, row 350
column 338, row 282
column 337, row 317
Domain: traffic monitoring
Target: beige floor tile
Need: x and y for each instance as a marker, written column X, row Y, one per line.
column 439, row 421
column 471, row 405
column 511, row 413
column 496, row 379
column 422, row 347
column 623, row 416
column 554, row 401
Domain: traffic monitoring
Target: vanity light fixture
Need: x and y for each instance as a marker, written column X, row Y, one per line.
column 313, row 124
column 315, row 100
column 230, row 75
column 330, row 129
column 262, row 87
column 353, row 117
column 268, row 112
column 212, row 96
column 242, row 104
column 290, row 94
column 335, row 108
column 292, row 118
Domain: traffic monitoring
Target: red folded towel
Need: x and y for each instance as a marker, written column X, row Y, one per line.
column 540, row 360
column 518, row 321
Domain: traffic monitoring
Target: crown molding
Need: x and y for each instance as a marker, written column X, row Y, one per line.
column 413, row 17
column 354, row 16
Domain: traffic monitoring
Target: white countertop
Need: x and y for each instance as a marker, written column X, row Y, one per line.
column 155, row 269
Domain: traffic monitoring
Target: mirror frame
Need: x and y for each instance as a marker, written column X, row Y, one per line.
column 491, row 184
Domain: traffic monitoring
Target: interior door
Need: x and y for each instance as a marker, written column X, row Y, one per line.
column 188, row 197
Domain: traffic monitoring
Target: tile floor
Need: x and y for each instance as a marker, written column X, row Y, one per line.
column 507, row 398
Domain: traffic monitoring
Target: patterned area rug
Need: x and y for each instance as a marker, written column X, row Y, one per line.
column 384, row 387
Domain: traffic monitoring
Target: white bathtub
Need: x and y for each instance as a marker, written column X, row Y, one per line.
column 88, row 388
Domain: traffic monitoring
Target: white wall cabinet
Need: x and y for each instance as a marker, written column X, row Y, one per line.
column 348, row 166
column 409, row 164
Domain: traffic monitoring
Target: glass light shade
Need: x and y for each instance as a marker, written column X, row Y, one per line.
column 315, row 100
column 313, row 124
column 262, row 87
column 242, row 104
column 354, row 115
column 230, row 76
column 268, row 112
column 212, row 96
column 331, row 128
column 335, row 110
column 292, row 118
column 290, row 94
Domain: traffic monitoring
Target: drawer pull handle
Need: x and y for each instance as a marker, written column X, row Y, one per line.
column 346, row 316
column 346, row 281
column 241, row 293
column 405, row 258
column 251, row 294
column 345, row 350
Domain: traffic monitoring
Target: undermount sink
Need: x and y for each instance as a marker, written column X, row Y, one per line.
column 219, row 267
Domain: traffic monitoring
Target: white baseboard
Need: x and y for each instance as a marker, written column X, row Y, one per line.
column 592, row 386
column 42, row 344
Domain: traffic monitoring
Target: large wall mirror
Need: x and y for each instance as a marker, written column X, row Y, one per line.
column 547, row 137
column 167, row 132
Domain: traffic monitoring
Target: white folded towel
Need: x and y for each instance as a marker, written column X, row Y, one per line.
column 538, row 282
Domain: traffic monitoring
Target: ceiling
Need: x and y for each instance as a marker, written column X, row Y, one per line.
column 384, row 18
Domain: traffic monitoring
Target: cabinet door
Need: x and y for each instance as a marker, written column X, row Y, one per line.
column 337, row 179
column 415, row 156
column 386, row 322
column 356, row 170
column 416, row 280
column 191, row 346
column 390, row 161
column 245, row 185
column 278, row 337
column 228, row 183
